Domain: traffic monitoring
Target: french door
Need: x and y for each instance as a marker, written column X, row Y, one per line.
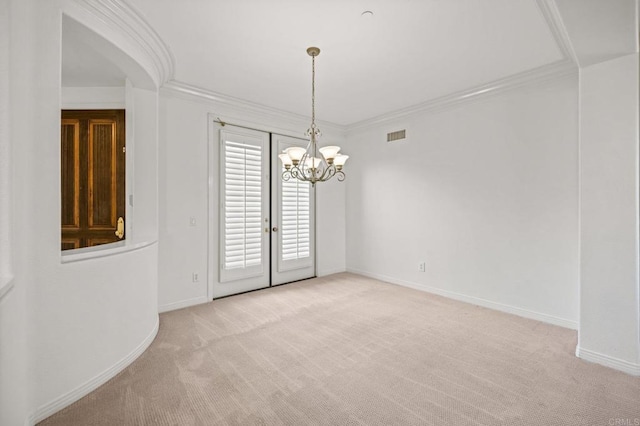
column 292, row 207
column 266, row 229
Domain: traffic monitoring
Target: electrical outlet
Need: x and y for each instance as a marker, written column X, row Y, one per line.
column 194, row 277
column 422, row 267
column 192, row 221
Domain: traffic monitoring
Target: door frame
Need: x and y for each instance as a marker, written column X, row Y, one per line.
column 213, row 198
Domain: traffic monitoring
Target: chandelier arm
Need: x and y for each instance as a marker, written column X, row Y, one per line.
column 298, row 174
column 327, row 173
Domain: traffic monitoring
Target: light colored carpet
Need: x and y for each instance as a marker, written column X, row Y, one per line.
column 346, row 349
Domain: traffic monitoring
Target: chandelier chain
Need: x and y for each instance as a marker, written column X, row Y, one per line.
column 313, row 91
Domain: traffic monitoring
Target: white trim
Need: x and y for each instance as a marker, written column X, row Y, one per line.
column 608, row 361
column 122, row 17
column 212, row 200
column 552, row 16
column 250, row 114
column 93, row 97
column 6, row 204
column 579, row 206
column 324, row 273
column 526, row 313
column 93, row 105
column 537, row 75
column 74, row 395
column 30, row 420
column 268, row 114
column 104, row 250
column 6, row 284
column 637, row 40
column 183, row 304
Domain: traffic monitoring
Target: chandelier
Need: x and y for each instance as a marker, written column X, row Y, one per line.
column 307, row 165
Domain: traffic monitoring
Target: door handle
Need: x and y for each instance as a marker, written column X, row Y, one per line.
column 275, row 229
column 120, row 228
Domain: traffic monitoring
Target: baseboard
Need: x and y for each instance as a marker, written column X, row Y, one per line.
column 608, row 361
column 538, row 316
column 324, row 273
column 182, row 304
column 70, row 397
column 6, row 284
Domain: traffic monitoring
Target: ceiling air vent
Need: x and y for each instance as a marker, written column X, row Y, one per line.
column 396, row 136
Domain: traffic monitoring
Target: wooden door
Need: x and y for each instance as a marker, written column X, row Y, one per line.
column 92, row 177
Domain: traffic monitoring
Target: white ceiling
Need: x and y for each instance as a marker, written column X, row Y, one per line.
column 83, row 65
column 89, row 60
column 408, row 53
column 600, row 29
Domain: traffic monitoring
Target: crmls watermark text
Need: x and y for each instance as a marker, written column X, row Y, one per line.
column 624, row 422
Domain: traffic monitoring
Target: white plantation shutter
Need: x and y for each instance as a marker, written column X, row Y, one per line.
column 243, row 206
column 292, row 246
column 296, row 224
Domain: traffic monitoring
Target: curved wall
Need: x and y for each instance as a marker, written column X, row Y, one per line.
column 86, row 319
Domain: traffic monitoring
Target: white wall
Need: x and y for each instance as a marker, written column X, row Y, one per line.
column 5, row 149
column 14, row 392
column 184, row 191
column 609, row 311
column 13, row 318
column 93, row 97
column 66, row 327
column 183, row 194
column 485, row 193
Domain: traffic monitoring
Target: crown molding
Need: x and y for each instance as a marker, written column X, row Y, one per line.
column 552, row 16
column 568, row 65
column 537, row 75
column 124, row 18
column 237, row 107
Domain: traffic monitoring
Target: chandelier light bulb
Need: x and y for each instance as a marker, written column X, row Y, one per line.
column 286, row 160
column 295, row 153
column 329, row 153
column 340, row 160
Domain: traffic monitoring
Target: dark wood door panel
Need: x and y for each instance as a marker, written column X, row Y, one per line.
column 70, row 243
column 102, row 175
column 70, row 169
column 92, row 176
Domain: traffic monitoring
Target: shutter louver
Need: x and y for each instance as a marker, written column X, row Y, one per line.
column 295, row 211
column 242, row 205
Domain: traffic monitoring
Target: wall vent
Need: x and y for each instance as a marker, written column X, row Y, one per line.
column 396, row 136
